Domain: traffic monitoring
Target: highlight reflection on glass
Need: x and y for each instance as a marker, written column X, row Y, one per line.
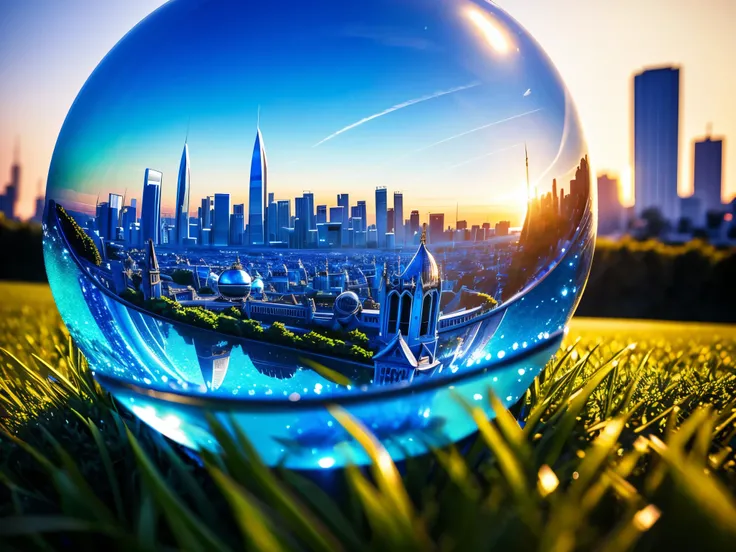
column 423, row 226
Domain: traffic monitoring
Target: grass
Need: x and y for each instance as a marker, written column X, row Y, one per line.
column 624, row 442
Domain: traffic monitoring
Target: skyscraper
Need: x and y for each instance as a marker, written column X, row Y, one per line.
column 9, row 199
column 390, row 220
column 130, row 217
column 181, row 223
column 436, row 227
column 363, row 214
column 309, row 210
column 337, row 214
column 151, row 207
column 321, row 214
column 610, row 210
column 273, row 220
column 102, row 218
column 301, row 222
column 257, row 200
column 381, row 216
column 708, row 173
column 399, row 218
column 343, row 200
column 414, row 223
column 656, row 140
column 115, row 206
column 284, row 218
column 237, row 224
column 205, row 220
column 221, row 224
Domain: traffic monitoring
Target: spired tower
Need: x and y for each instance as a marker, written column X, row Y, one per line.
column 181, row 224
column 408, row 319
column 151, row 282
column 258, row 196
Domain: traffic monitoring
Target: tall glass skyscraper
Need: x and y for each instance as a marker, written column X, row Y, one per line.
column 309, row 208
column 656, row 140
column 284, row 221
column 237, row 224
column 221, row 224
column 343, row 200
column 321, row 214
column 257, row 200
column 151, row 207
column 381, row 216
column 399, row 218
column 708, row 173
column 115, row 207
column 181, row 224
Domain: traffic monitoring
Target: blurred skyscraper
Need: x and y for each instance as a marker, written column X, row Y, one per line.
column 656, row 140
column 708, row 173
column 413, row 224
column 436, row 227
column 9, row 199
column 610, row 210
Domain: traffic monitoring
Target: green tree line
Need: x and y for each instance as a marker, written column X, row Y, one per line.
column 694, row 281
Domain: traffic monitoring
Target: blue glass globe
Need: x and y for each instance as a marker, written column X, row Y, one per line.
column 260, row 209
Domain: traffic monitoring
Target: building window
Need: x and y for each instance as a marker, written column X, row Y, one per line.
column 393, row 312
column 405, row 314
column 426, row 314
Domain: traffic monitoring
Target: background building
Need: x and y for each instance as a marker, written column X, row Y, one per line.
column 381, row 216
column 656, row 140
column 708, row 173
column 151, row 207
column 610, row 209
column 221, row 222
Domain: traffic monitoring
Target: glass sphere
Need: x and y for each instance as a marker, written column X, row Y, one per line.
column 260, row 209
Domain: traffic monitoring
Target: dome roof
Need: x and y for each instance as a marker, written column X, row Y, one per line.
column 233, row 276
column 347, row 303
column 423, row 266
column 234, row 283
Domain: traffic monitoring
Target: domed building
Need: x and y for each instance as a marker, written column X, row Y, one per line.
column 234, row 284
column 410, row 310
column 346, row 309
column 256, row 288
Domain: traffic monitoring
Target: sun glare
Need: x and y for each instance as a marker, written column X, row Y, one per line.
column 626, row 191
column 491, row 29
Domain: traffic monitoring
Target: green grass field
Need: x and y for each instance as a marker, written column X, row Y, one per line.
column 624, row 442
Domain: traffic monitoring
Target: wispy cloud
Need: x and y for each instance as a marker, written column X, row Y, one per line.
column 396, row 108
column 479, row 157
column 394, row 37
column 472, row 130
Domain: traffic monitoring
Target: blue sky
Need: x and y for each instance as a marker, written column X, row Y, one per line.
column 48, row 48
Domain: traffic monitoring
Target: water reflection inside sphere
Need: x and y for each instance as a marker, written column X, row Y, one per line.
column 287, row 204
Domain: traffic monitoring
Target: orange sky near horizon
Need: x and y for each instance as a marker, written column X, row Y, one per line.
column 596, row 46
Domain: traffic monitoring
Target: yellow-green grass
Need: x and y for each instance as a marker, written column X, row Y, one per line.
column 625, row 441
